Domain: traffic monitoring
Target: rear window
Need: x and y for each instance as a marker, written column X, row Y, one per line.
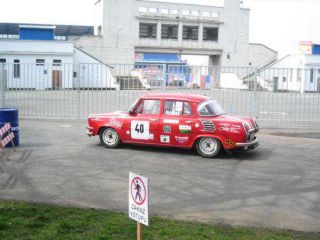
column 210, row 108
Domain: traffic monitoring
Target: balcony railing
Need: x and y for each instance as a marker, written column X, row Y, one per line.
column 171, row 43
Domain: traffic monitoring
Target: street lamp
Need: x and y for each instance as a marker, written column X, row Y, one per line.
column 117, row 36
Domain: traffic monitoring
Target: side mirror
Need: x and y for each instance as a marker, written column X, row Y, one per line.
column 131, row 112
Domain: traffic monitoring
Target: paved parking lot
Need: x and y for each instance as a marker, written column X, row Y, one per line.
column 275, row 186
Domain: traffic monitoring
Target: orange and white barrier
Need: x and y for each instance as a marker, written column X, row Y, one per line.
column 6, row 140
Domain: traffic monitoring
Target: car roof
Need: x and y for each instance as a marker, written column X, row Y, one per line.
column 177, row 96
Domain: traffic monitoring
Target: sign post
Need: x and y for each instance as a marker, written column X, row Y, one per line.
column 139, row 201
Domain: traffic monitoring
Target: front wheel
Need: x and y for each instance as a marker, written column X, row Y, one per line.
column 208, row 147
column 109, row 138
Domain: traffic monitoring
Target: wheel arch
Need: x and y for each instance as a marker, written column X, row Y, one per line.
column 103, row 127
column 196, row 139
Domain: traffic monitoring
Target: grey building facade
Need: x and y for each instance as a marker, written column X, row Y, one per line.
column 129, row 27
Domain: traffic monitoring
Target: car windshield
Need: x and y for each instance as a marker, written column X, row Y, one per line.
column 133, row 105
column 210, row 108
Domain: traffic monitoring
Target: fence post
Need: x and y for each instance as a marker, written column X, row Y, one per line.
column 164, row 74
column 2, row 85
column 78, row 91
column 255, row 101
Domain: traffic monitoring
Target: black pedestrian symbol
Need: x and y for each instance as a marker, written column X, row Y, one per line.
column 138, row 189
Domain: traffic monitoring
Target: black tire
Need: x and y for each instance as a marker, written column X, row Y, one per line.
column 208, row 147
column 109, row 138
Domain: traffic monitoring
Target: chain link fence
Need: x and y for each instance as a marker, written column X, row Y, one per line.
column 275, row 97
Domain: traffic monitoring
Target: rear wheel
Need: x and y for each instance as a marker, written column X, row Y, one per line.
column 109, row 138
column 208, row 147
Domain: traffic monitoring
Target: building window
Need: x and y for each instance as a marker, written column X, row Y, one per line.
column 169, row 31
column 318, row 77
column 174, row 11
column 190, row 32
column 195, row 13
column 143, row 9
column 185, row 12
column 284, row 79
column 16, row 68
column 3, row 60
column 148, row 30
column 153, row 10
column 210, row 34
column 40, row 62
column 57, row 62
column 205, row 14
column 215, row 14
column 164, row 11
column 311, row 75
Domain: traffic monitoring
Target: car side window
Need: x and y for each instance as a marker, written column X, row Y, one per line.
column 177, row 108
column 187, row 111
column 148, row 107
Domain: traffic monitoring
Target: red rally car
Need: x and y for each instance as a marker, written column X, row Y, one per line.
column 176, row 120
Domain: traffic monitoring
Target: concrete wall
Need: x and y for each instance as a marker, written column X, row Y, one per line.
column 91, row 73
column 261, row 55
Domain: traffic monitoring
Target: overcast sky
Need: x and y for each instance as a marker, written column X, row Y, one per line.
column 280, row 24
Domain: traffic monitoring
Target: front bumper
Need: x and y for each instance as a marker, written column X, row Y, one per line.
column 249, row 145
column 90, row 131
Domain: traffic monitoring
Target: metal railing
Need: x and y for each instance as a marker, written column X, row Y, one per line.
column 275, row 97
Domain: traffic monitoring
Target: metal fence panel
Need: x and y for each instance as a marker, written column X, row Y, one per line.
column 276, row 97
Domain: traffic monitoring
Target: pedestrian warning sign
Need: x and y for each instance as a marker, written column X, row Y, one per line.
column 138, row 198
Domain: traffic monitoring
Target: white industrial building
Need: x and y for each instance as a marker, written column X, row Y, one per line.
column 36, row 60
column 295, row 72
column 129, row 27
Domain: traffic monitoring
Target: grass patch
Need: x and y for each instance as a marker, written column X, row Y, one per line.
column 31, row 221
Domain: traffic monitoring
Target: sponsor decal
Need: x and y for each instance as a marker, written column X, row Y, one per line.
column 182, row 140
column 185, row 129
column 171, row 121
column 164, row 139
column 151, row 136
column 167, row 129
column 128, row 132
column 197, row 125
column 224, row 127
column 230, row 142
column 235, row 129
column 115, row 123
column 179, row 106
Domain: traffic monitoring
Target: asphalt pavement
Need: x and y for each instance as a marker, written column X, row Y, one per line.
column 277, row 185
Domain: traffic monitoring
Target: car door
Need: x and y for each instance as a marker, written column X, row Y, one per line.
column 142, row 125
column 176, row 123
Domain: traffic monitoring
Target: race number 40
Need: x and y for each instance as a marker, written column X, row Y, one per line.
column 140, row 130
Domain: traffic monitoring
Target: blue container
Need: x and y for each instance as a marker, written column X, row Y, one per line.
column 11, row 115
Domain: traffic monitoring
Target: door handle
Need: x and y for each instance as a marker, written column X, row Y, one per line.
column 189, row 122
column 153, row 120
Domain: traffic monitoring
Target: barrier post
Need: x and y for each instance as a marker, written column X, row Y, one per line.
column 2, row 85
